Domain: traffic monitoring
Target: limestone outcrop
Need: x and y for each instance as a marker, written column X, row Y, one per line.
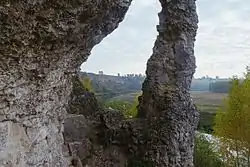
column 42, row 45
column 166, row 102
column 82, row 102
column 97, row 137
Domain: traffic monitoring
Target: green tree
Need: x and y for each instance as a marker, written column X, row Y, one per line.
column 127, row 108
column 133, row 110
column 118, row 105
column 232, row 124
column 87, row 84
column 205, row 154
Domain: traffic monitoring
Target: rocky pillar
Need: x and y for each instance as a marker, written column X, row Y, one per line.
column 42, row 45
column 165, row 102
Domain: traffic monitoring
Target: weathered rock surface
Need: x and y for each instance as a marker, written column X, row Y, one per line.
column 42, row 45
column 82, row 101
column 104, row 139
column 165, row 102
column 98, row 137
column 83, row 137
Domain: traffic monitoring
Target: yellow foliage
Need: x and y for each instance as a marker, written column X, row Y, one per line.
column 87, row 84
column 232, row 124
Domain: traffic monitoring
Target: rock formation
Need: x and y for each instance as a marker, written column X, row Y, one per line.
column 98, row 137
column 43, row 44
column 166, row 103
column 82, row 102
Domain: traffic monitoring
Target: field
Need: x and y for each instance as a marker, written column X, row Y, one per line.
column 204, row 100
column 207, row 103
column 208, row 98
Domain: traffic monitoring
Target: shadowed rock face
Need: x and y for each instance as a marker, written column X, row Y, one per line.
column 43, row 44
column 165, row 102
column 82, row 101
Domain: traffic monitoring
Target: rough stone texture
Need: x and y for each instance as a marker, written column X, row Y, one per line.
column 82, row 101
column 166, row 102
column 89, row 140
column 104, row 139
column 42, row 45
column 99, row 138
column 164, row 133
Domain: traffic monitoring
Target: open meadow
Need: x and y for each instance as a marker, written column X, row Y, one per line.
column 208, row 98
column 207, row 102
column 204, row 100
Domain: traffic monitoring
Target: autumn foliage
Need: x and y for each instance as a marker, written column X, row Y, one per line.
column 232, row 124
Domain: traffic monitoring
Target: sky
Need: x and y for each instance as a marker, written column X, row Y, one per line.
column 222, row 46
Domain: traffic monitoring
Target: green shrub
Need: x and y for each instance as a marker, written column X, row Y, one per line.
column 87, row 84
column 118, row 105
column 128, row 109
column 133, row 111
column 206, row 122
column 205, row 154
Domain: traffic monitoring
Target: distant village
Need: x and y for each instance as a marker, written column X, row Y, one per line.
column 205, row 83
column 206, row 78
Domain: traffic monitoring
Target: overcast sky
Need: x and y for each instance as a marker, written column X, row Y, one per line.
column 222, row 47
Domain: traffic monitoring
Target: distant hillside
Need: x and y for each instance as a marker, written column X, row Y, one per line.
column 206, row 93
column 110, row 86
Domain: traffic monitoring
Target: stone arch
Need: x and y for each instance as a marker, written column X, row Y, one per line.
column 43, row 44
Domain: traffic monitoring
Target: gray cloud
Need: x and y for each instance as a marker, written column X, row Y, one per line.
column 222, row 46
